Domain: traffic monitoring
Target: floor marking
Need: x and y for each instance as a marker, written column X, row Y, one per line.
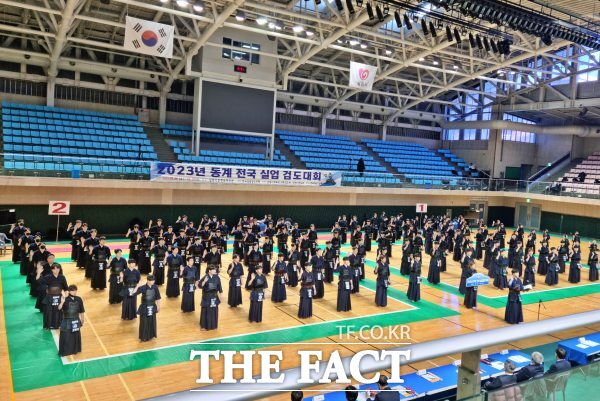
column 85, row 393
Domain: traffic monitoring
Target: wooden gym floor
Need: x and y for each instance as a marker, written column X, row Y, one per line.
column 115, row 365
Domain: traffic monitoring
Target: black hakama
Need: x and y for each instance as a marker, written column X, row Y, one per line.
column 148, row 311
column 292, row 271
column 52, row 315
column 279, row 292
column 471, row 297
column 98, row 275
column 159, row 271
column 543, row 263
column 529, row 277
column 173, row 288
column 144, row 261
column 593, row 271
column 306, row 295
column 188, row 304
column 344, row 303
column 209, row 306
column 552, row 274
column 115, row 288
column 383, row 276
column 575, row 271
column 234, row 296
column 319, row 287
column 129, row 305
column 414, row 287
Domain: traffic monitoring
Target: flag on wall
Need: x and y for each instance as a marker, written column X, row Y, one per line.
column 148, row 37
column 362, row 76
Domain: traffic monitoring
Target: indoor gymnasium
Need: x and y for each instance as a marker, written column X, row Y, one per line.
column 321, row 200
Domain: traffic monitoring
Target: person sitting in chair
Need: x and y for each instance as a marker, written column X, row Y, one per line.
column 507, row 381
column 534, row 369
column 561, row 363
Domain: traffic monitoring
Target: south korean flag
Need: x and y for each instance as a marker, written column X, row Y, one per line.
column 148, row 37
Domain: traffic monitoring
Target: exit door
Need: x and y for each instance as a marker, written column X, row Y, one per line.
column 529, row 215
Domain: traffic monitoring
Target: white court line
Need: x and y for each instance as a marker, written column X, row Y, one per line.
column 64, row 359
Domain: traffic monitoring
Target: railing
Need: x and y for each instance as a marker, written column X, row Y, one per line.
column 549, row 167
column 578, row 383
column 132, row 169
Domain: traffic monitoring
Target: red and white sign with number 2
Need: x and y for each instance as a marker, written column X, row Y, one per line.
column 59, row 208
column 421, row 207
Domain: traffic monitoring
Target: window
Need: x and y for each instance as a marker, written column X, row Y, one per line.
column 518, row 136
column 468, row 107
column 588, row 63
column 241, row 55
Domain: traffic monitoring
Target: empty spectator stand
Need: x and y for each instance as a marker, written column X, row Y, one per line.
column 462, row 167
column 184, row 155
column 418, row 164
column 590, row 166
column 182, row 131
column 56, row 139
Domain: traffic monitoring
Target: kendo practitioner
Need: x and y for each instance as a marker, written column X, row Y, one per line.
column 563, row 255
column 156, row 231
column 593, row 263
column 37, row 253
column 329, row 255
column 356, row 272
column 414, row 281
column 444, row 252
column 191, row 231
column 16, row 231
column 100, row 260
column 249, row 240
column 512, row 246
column 281, row 277
column 189, row 274
column 355, row 236
column 488, row 245
column 269, row 230
column 458, row 244
column 304, row 249
column 344, row 286
column 213, row 258
column 160, row 259
column 514, row 307
column 307, row 292
column 368, row 230
column 293, row 266
column 196, row 251
column 55, row 286
column 336, row 244
column 470, row 300
column 88, row 247
column 362, row 254
column 255, row 258
column 384, row 241
column 267, row 254
column 318, row 266
column 405, row 261
column 479, row 243
column 23, row 244
column 282, row 241
column 383, row 281
column 174, row 264
column 209, row 307
column 500, row 279
column 258, row 283
column 134, row 246
column 181, row 242
column 517, row 259
column 543, row 261
column 575, row 266
column 73, row 229
column 343, row 223
column 531, row 241
column 435, row 264
column 238, row 239
column 149, row 307
column 69, row 338
column 529, row 277
column 312, row 239
column 130, row 278
column 466, row 259
column 146, row 242
column 235, row 271
column 224, row 229
column 81, row 235
column 169, row 237
column 117, row 265
column 553, row 267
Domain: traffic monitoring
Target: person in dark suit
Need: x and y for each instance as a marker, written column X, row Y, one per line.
column 534, row 369
column 382, row 383
column 505, row 380
column 297, row 396
column 561, row 364
column 351, row 393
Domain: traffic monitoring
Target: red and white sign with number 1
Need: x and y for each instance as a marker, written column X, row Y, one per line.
column 59, row 208
column 421, row 207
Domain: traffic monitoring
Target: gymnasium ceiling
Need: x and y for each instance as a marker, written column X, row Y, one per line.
column 80, row 43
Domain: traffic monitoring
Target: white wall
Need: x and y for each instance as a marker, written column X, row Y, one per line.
column 583, row 147
column 552, row 147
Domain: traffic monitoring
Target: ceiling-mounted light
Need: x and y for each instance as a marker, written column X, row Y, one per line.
column 271, row 25
column 449, row 33
column 164, row 1
column 363, row 45
column 386, row 9
column 370, row 11
column 359, row 3
column 309, row 33
column 432, row 29
column 486, row 44
column 455, row 67
column 388, row 52
column 339, row 4
column 547, row 39
column 183, row 3
column 493, row 45
column 424, row 27
column 479, row 42
column 379, row 13
column 298, row 28
column 457, row 36
column 198, row 6
column 317, row 2
column 261, row 20
column 472, row 40
column 421, row 58
column 407, row 22
column 435, row 62
column 353, row 42
column 350, row 7
column 239, row 15
column 398, row 19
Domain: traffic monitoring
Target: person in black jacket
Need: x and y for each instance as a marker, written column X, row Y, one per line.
column 506, row 380
column 382, row 383
column 360, row 166
column 561, row 363
column 534, row 369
